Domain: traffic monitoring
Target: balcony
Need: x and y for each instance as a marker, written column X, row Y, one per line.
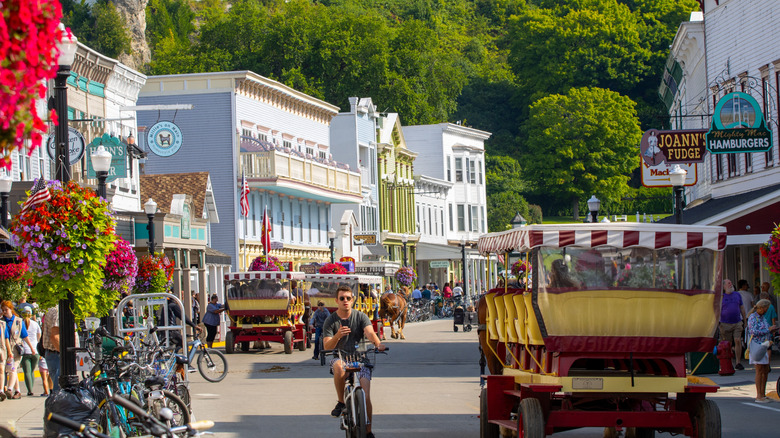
column 293, row 173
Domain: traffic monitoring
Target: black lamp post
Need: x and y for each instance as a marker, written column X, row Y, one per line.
column 594, row 205
column 677, row 178
column 150, row 208
column 101, row 162
column 332, row 238
column 404, row 241
column 463, row 263
column 5, row 190
column 67, row 48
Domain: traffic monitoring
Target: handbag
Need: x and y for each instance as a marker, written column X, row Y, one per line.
column 18, row 349
column 747, row 348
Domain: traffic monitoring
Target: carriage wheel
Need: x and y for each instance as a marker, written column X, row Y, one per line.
column 531, row 421
column 230, row 343
column 288, row 342
column 302, row 346
column 455, row 328
column 640, row 432
column 486, row 429
column 706, row 419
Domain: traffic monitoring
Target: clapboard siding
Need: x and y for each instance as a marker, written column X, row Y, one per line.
column 250, row 110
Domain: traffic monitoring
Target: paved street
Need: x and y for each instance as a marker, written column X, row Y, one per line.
column 426, row 387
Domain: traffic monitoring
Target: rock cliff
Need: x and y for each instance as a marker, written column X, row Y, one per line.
column 133, row 13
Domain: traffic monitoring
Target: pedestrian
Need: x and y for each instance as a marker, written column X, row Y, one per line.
column 317, row 320
column 195, row 308
column 23, row 304
column 416, row 295
column 51, row 343
column 447, row 291
column 760, row 339
column 765, row 288
column 48, row 384
column 747, row 298
column 16, row 333
column 732, row 317
column 211, row 319
column 5, row 353
column 457, row 293
column 30, row 356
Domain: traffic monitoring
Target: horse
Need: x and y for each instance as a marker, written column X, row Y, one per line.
column 494, row 364
column 393, row 308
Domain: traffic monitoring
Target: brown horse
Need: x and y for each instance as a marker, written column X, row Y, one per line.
column 493, row 363
column 392, row 307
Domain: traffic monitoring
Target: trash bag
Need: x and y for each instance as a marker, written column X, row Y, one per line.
column 76, row 403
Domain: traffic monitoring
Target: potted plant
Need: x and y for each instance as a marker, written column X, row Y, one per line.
column 155, row 274
column 12, row 281
column 406, row 276
column 121, row 268
column 263, row 263
column 332, row 268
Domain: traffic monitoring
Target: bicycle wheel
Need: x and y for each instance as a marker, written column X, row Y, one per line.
column 181, row 414
column 110, row 422
column 184, row 393
column 360, row 416
column 212, row 365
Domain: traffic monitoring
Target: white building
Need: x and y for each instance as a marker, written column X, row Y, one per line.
column 730, row 47
column 455, row 154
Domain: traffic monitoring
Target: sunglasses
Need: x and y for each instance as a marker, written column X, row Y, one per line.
column 345, row 298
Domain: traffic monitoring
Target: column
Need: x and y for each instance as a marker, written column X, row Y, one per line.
column 186, row 295
column 176, row 272
column 203, row 295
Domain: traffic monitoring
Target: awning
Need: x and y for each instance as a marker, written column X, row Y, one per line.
column 381, row 269
column 375, row 251
column 430, row 251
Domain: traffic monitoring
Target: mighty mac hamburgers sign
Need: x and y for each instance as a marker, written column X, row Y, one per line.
column 738, row 126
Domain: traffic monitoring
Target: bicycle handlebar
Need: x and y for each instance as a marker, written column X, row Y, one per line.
column 78, row 427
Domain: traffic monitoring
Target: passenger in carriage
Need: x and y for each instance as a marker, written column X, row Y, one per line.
column 560, row 275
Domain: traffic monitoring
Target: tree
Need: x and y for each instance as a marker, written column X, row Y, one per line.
column 502, row 174
column 110, row 37
column 502, row 207
column 581, row 143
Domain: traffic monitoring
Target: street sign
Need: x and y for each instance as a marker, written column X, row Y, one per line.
column 164, row 138
column 364, row 239
column 677, row 147
column 118, row 152
column 439, row 264
column 76, row 146
column 738, row 126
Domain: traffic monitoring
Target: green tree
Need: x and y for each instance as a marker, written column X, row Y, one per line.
column 582, row 143
column 169, row 19
column 502, row 207
column 110, row 36
column 502, row 174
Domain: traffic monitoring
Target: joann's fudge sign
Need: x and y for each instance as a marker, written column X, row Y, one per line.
column 738, row 126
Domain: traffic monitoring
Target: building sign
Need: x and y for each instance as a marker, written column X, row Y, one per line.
column 311, row 268
column 164, row 138
column 118, row 153
column 379, row 270
column 364, row 239
column 76, row 146
column 673, row 147
column 439, row 264
column 347, row 259
column 658, row 176
column 185, row 222
column 738, row 126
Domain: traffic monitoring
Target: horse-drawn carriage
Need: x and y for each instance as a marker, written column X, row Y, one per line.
column 322, row 287
column 265, row 306
column 600, row 339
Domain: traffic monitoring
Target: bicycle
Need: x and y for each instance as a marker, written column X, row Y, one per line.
column 354, row 417
column 212, row 364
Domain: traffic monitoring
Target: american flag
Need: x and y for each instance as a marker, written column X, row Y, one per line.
column 38, row 195
column 244, row 196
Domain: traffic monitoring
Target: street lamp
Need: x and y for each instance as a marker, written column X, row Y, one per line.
column 101, row 162
column 150, row 208
column 332, row 238
column 404, row 241
column 5, row 190
column 67, row 48
column 677, row 178
column 463, row 263
column 593, row 205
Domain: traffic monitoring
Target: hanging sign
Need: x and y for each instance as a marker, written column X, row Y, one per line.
column 673, row 147
column 164, row 138
column 364, row 239
column 738, row 126
column 185, row 222
column 76, row 146
column 439, row 264
column 118, row 153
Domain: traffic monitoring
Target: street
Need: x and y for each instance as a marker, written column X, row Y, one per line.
column 427, row 386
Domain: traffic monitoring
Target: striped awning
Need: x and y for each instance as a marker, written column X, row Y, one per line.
column 265, row 275
column 361, row 279
column 617, row 235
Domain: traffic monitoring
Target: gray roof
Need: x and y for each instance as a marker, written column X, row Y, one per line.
column 711, row 207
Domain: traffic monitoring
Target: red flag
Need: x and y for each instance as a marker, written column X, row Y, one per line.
column 265, row 239
column 244, row 196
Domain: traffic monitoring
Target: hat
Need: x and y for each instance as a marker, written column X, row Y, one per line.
column 27, row 311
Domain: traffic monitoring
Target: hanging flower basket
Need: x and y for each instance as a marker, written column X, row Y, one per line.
column 332, row 268
column 155, row 274
column 520, row 267
column 65, row 241
column 771, row 252
column 121, row 268
column 12, row 281
column 260, row 263
column 406, row 276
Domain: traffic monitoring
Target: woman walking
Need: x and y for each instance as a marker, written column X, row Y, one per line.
column 760, row 338
column 211, row 319
column 16, row 334
column 30, row 356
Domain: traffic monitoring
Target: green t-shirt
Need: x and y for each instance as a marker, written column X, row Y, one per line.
column 358, row 321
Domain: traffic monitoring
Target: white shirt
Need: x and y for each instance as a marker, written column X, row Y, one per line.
column 33, row 334
column 457, row 291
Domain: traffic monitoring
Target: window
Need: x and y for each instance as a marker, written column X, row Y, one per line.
column 748, row 162
column 461, row 217
column 479, row 172
column 322, row 155
column 287, row 144
column 458, row 170
column 308, row 211
column 262, row 137
column 731, row 160
column 254, row 223
column 475, row 218
column 430, row 221
column 310, row 151
column 452, row 228
column 418, row 218
column 472, row 172
column 449, row 168
column 441, row 212
column 718, row 167
column 281, row 218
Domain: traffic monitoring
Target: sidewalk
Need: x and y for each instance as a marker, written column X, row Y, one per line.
column 743, row 383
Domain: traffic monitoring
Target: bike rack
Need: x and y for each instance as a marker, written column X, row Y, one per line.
column 144, row 315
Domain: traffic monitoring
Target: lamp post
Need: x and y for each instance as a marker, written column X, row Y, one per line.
column 332, row 238
column 101, row 162
column 593, row 205
column 5, row 190
column 677, row 178
column 150, row 208
column 463, row 263
column 404, row 241
column 67, row 48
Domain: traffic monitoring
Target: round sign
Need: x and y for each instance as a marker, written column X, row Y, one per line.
column 76, row 146
column 164, row 139
column 737, row 110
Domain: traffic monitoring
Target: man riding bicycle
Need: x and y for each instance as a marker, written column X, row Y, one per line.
column 343, row 330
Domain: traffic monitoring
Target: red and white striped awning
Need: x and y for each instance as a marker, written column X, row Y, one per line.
column 361, row 279
column 617, row 235
column 265, row 275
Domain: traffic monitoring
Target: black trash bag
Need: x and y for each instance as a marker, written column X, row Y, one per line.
column 76, row 403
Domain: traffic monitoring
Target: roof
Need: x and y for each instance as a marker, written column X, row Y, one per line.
column 362, row 279
column 265, row 275
column 216, row 257
column 197, row 185
column 702, row 213
column 623, row 235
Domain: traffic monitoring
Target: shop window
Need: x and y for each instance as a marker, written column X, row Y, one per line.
column 461, row 217
column 459, row 169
